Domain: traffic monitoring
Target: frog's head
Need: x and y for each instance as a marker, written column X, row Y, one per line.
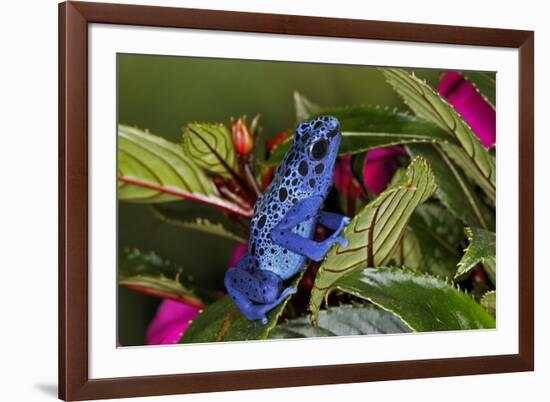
column 319, row 140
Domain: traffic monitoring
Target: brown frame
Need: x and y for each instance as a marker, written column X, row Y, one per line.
column 74, row 17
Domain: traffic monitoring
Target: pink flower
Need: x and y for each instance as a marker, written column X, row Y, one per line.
column 170, row 322
column 380, row 167
column 239, row 250
column 173, row 317
column 378, row 171
column 477, row 112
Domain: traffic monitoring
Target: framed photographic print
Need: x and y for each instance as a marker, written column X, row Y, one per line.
column 259, row 200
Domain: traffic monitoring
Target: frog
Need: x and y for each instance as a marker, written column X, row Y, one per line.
column 281, row 239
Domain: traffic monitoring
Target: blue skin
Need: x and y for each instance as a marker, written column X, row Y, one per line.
column 285, row 217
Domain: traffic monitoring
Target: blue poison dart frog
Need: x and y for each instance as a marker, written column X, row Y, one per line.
column 285, row 216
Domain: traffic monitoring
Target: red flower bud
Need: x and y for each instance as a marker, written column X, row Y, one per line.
column 244, row 143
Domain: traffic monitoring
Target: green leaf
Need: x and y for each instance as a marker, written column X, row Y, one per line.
column 304, row 107
column 200, row 219
column 369, row 127
column 489, row 302
column 424, row 302
column 408, row 252
column 211, row 147
column 222, row 321
column 484, row 82
column 362, row 319
column 439, row 235
column 482, row 249
column 149, row 273
column 357, row 163
column 375, row 232
column 482, row 169
column 431, row 243
column 152, row 169
column 470, row 154
column 454, row 191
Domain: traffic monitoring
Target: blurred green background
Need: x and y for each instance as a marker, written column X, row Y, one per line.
column 164, row 93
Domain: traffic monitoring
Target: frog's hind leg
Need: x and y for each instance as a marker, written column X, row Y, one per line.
column 259, row 287
column 254, row 292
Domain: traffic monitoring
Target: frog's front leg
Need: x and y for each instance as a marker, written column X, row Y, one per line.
column 255, row 292
column 283, row 235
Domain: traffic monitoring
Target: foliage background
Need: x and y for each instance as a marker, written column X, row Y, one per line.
column 164, row 93
column 37, row 381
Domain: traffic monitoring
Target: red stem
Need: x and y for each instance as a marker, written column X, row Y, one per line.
column 165, row 295
column 206, row 199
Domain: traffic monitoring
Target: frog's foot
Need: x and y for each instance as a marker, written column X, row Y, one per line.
column 254, row 311
column 263, row 309
column 255, row 293
column 334, row 239
column 322, row 248
column 345, row 222
column 341, row 226
column 334, row 221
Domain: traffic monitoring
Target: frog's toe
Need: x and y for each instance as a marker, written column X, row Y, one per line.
column 284, row 294
column 342, row 241
column 288, row 291
column 264, row 320
column 345, row 222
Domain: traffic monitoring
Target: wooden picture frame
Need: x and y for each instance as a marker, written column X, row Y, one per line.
column 74, row 381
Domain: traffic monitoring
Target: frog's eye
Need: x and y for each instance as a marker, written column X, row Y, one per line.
column 318, row 150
